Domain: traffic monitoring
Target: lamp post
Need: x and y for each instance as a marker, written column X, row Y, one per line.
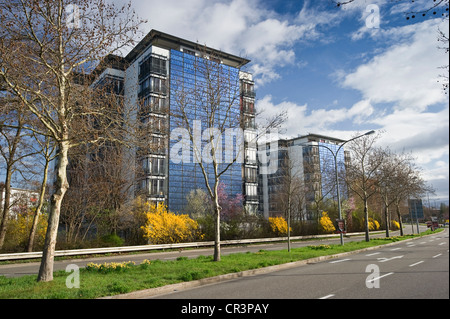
column 337, row 174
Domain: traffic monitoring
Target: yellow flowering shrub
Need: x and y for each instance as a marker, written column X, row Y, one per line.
column 395, row 225
column 18, row 231
column 278, row 225
column 326, row 225
column 165, row 227
column 373, row 224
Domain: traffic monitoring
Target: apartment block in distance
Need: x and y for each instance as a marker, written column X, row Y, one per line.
column 307, row 163
column 149, row 75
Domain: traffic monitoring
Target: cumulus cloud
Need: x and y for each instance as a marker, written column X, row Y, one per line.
column 406, row 74
column 302, row 119
column 242, row 27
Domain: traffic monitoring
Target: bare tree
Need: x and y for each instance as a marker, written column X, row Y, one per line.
column 47, row 151
column 45, row 48
column 361, row 171
column 14, row 148
column 387, row 175
column 216, row 98
column 290, row 193
column 210, row 93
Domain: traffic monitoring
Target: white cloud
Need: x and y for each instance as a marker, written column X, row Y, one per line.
column 242, row 27
column 303, row 120
column 406, row 73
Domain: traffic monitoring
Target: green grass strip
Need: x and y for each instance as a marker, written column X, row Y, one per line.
column 111, row 279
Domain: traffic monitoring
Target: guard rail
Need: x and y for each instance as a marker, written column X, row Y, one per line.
column 106, row 250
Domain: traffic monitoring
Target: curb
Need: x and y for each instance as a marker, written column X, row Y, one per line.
column 147, row 293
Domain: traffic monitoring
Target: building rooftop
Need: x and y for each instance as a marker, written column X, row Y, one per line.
column 167, row 41
column 311, row 137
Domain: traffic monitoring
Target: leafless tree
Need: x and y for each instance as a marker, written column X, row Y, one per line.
column 290, row 194
column 47, row 151
column 211, row 90
column 365, row 161
column 46, row 47
column 14, row 149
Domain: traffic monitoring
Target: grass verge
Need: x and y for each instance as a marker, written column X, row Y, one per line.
column 112, row 279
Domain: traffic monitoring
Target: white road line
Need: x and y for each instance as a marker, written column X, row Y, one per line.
column 409, row 245
column 437, row 255
column 441, row 244
column 394, row 249
column 376, row 278
column 339, row 261
column 416, row 263
column 327, row 296
column 373, row 254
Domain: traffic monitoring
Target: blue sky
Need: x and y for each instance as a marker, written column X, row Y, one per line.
column 333, row 69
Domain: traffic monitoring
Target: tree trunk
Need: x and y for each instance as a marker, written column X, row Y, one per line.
column 366, row 217
column 38, row 209
column 386, row 219
column 289, row 223
column 217, row 209
column 400, row 219
column 217, row 236
column 61, row 186
column 6, row 205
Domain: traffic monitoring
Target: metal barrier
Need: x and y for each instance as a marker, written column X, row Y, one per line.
column 92, row 251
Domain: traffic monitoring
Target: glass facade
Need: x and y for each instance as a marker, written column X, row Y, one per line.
column 192, row 91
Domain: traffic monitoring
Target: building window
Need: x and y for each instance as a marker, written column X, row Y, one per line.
column 153, row 104
column 153, row 85
column 153, row 65
column 251, row 174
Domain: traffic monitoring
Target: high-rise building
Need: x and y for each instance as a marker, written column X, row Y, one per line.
column 305, row 172
column 158, row 74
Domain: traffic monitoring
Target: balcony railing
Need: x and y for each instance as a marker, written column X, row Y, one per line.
column 248, row 93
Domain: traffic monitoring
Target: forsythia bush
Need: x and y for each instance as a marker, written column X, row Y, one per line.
column 19, row 230
column 373, row 224
column 278, row 225
column 326, row 224
column 165, row 227
column 395, row 225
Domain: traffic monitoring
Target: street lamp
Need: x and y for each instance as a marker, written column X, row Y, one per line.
column 337, row 175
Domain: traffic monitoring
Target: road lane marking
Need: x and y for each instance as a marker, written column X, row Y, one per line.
column 416, row 263
column 410, row 245
column 373, row 254
column 394, row 249
column 339, row 261
column 327, row 296
column 377, row 278
column 441, row 244
column 383, row 259
column 437, row 255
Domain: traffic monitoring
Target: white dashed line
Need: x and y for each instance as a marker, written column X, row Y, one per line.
column 437, row 255
column 373, row 279
column 416, row 263
column 373, row 254
column 327, row 296
column 338, row 261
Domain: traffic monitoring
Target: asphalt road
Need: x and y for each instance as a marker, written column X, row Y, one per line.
column 411, row 270
column 21, row 269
